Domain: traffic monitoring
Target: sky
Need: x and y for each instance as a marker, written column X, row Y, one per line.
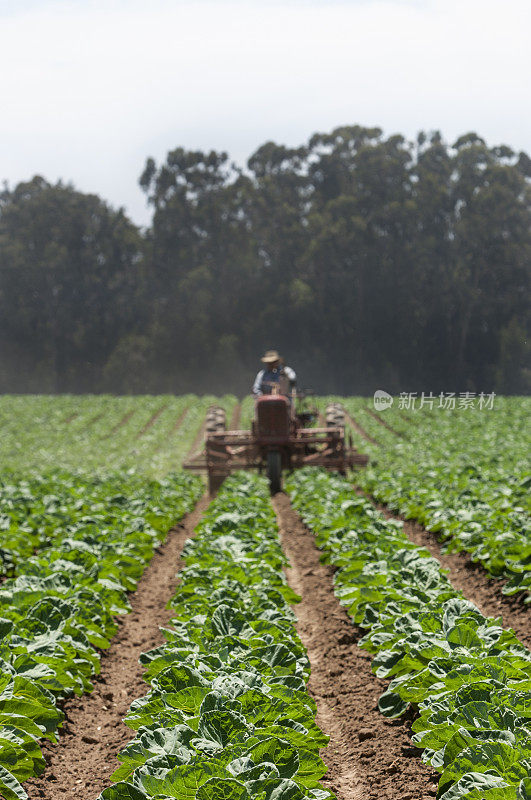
column 90, row 89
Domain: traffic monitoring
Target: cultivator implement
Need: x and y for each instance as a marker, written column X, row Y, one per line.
column 277, row 441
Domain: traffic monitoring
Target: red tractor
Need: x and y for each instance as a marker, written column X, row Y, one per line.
column 280, row 438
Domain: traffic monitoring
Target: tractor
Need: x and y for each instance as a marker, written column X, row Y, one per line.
column 282, row 437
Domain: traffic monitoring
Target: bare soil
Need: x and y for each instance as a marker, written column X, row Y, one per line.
column 383, row 422
column 369, row 757
column 197, row 445
column 179, row 421
column 81, row 764
column 126, row 417
column 357, row 427
column 149, row 424
column 92, row 421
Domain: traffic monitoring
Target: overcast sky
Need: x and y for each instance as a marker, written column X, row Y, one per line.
column 90, row 89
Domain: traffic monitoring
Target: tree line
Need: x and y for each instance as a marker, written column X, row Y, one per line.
column 368, row 261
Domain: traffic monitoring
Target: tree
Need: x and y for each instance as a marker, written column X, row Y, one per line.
column 70, row 280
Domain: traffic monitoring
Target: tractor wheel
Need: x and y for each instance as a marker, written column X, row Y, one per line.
column 274, row 471
column 335, row 416
column 216, row 420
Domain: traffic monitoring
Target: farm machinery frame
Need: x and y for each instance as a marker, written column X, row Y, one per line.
column 281, row 438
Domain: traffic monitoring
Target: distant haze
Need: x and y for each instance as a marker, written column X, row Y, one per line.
column 90, row 89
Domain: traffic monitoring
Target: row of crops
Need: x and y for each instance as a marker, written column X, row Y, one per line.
column 76, row 547
column 43, row 515
column 150, row 434
column 227, row 716
column 463, row 473
column 87, row 494
column 468, row 677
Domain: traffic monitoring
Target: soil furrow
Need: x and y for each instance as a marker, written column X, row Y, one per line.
column 357, row 427
column 126, row 417
column 81, row 764
column 470, row 578
column 92, row 421
column 178, row 424
column 180, row 420
column 149, row 424
column 383, row 422
column 368, row 755
column 197, row 445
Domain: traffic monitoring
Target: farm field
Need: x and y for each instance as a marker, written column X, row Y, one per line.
column 464, row 474
column 150, row 434
column 311, row 645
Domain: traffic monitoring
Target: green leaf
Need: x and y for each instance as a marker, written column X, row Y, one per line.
column 182, row 782
column 391, row 704
column 278, row 752
column 222, row 789
column 159, row 741
column 464, row 636
column 226, row 621
column 187, row 700
column 278, row 789
column 178, row 677
column 462, row 739
column 472, row 781
column 122, row 791
column 223, row 726
column 524, row 790
column 10, row 788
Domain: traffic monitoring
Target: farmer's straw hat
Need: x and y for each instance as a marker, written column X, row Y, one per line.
column 270, row 357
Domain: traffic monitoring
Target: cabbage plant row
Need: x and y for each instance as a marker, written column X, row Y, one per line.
column 227, row 716
column 462, row 473
column 95, row 536
column 468, row 677
column 150, row 434
column 41, row 510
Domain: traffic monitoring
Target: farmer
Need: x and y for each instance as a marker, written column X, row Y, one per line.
column 273, row 372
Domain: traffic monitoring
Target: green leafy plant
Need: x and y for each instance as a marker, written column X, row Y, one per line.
column 227, row 715
column 93, row 539
column 469, row 677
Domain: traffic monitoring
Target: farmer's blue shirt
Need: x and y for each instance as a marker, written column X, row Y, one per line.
column 266, row 376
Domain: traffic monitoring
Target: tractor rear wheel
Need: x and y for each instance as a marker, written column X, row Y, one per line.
column 335, row 416
column 274, row 470
column 216, row 420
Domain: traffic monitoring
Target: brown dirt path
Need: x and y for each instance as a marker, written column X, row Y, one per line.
column 198, row 444
column 383, row 422
column 149, row 424
column 92, row 421
column 357, row 427
column 179, row 421
column 126, row 417
column 81, row 764
column 178, row 424
column 369, row 757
